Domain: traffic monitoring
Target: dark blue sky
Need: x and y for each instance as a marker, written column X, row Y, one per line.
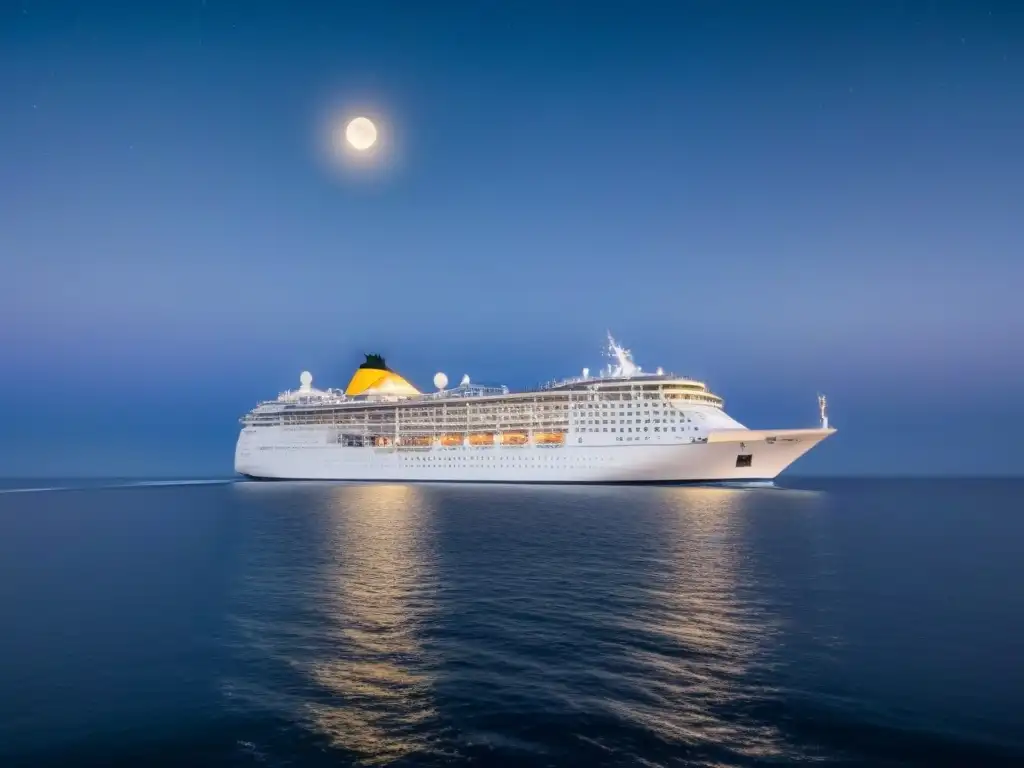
column 780, row 198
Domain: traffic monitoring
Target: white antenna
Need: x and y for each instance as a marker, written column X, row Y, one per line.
column 465, row 381
column 823, row 411
column 305, row 381
column 586, row 373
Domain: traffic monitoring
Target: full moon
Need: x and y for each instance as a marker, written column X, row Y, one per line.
column 361, row 133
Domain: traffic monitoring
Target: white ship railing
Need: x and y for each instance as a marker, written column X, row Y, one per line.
column 638, row 378
column 470, row 391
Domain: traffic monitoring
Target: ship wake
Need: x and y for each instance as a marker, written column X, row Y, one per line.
column 98, row 486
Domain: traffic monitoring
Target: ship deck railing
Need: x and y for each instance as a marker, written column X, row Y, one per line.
column 638, row 378
column 288, row 401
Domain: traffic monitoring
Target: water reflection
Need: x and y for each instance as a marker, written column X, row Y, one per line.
column 381, row 599
column 707, row 662
column 636, row 617
column 347, row 619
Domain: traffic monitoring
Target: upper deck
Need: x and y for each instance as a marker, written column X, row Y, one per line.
column 619, row 381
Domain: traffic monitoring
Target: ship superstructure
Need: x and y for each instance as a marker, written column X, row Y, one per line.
column 617, row 426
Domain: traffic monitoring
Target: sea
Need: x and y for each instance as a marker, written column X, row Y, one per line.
column 221, row 623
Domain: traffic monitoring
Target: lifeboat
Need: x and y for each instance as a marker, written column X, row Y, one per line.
column 382, row 442
column 451, row 439
column 481, row 439
column 414, row 442
column 549, row 438
column 514, row 438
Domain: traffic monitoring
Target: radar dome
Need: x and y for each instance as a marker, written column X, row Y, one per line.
column 306, row 379
column 440, row 380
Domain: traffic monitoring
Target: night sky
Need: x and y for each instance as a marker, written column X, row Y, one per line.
column 776, row 197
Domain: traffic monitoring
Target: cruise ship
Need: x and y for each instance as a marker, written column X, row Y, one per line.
column 618, row 425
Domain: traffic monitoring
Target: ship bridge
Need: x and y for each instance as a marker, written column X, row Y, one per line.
column 624, row 375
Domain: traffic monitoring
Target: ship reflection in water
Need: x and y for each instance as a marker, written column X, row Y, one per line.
column 360, row 678
column 699, row 648
column 329, row 624
column 381, row 598
column 414, row 621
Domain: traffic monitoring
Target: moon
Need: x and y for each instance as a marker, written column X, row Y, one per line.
column 361, row 133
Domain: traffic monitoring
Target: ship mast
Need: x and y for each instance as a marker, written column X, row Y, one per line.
column 624, row 366
column 823, row 411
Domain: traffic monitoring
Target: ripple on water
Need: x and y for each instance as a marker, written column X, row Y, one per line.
column 332, row 624
column 594, row 626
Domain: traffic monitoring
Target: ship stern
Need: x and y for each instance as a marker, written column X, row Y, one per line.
column 243, row 453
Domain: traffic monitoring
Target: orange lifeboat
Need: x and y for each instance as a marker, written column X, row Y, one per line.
column 549, row 438
column 514, row 438
column 482, row 439
column 414, row 442
column 451, row 439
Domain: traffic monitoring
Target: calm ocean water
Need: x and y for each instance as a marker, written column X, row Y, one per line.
column 846, row 623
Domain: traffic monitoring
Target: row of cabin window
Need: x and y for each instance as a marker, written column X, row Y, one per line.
column 629, row 429
column 496, row 459
column 606, row 406
column 638, row 414
column 630, row 421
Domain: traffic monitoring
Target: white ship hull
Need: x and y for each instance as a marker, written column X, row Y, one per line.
column 309, row 453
